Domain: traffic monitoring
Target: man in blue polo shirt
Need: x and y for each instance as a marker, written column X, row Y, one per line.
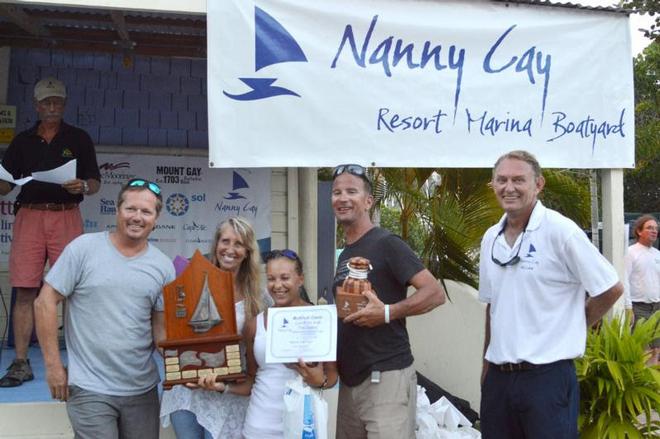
column 47, row 216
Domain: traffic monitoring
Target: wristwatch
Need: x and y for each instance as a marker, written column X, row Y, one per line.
column 85, row 188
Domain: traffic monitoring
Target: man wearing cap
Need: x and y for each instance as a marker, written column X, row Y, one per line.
column 378, row 395
column 544, row 284
column 47, row 214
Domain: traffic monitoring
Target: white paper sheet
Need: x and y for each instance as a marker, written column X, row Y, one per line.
column 307, row 332
column 6, row 176
column 59, row 175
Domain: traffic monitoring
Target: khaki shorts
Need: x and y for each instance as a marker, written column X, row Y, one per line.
column 384, row 410
column 39, row 236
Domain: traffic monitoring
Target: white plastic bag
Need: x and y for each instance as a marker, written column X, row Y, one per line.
column 441, row 420
column 305, row 411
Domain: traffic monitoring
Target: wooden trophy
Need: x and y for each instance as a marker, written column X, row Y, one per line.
column 200, row 323
column 349, row 298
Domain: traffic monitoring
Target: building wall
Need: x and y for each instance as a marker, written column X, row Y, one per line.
column 118, row 100
column 448, row 343
column 149, row 102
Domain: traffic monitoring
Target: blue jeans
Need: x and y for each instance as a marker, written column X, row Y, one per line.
column 186, row 427
column 541, row 403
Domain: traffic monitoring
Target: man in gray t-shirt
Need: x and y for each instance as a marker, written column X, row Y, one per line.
column 113, row 283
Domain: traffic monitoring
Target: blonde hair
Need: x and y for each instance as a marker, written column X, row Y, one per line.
column 247, row 278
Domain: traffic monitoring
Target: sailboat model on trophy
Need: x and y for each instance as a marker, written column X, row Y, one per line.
column 200, row 324
column 206, row 313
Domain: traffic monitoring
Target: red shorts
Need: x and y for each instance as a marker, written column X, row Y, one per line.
column 39, row 236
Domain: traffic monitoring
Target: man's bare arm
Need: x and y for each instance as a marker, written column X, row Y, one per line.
column 45, row 317
column 597, row 306
column 158, row 326
column 484, row 367
column 428, row 295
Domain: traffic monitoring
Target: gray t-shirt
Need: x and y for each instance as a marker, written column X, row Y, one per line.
column 110, row 298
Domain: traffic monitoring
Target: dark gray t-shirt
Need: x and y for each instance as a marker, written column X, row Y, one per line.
column 361, row 350
column 110, row 298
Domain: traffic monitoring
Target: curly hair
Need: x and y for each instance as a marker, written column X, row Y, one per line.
column 247, row 278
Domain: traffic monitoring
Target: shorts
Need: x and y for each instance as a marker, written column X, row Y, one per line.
column 384, row 410
column 646, row 310
column 39, row 236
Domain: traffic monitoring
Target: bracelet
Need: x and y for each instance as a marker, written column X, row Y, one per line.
column 387, row 313
column 226, row 388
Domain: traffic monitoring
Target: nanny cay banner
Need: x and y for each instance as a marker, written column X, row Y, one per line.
column 417, row 83
column 195, row 200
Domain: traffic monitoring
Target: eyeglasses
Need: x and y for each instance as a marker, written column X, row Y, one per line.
column 138, row 182
column 514, row 260
column 357, row 170
column 274, row 254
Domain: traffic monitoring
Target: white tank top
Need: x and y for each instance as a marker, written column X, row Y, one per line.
column 264, row 415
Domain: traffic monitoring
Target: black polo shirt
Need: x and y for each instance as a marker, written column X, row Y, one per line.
column 29, row 152
column 361, row 350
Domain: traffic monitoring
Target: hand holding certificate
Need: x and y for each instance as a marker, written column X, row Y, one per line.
column 307, row 332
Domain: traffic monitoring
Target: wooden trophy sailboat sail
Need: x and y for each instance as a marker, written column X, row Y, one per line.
column 205, row 340
column 206, row 313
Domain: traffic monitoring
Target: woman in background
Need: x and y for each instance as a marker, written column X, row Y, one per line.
column 204, row 414
column 267, row 382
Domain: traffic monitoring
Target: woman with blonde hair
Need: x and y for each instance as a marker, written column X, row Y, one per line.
column 266, row 383
column 198, row 413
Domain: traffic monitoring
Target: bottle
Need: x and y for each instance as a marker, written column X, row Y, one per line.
column 349, row 296
column 356, row 282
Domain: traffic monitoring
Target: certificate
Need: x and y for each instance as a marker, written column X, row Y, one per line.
column 307, row 332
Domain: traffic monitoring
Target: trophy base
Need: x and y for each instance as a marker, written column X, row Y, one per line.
column 188, row 360
column 349, row 303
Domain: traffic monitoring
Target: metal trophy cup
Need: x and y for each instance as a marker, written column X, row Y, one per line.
column 200, row 323
column 349, row 298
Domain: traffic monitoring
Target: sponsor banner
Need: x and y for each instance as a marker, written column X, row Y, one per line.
column 196, row 199
column 417, row 84
column 7, row 123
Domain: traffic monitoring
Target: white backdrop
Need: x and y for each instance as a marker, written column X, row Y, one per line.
column 417, row 83
column 196, row 198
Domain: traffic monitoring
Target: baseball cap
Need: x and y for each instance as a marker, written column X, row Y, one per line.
column 48, row 87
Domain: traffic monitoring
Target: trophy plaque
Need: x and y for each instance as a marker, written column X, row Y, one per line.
column 349, row 298
column 200, row 325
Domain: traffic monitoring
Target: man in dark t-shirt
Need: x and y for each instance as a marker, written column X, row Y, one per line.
column 48, row 217
column 379, row 387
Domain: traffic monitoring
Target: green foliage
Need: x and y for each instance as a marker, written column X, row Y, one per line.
column 616, row 384
column 651, row 7
column 641, row 184
column 389, row 219
column 442, row 218
column 567, row 191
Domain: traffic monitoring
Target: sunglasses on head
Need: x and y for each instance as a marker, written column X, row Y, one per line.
column 286, row 253
column 357, row 170
column 139, row 182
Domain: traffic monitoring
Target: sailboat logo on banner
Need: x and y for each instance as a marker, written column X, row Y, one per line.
column 238, row 182
column 273, row 45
